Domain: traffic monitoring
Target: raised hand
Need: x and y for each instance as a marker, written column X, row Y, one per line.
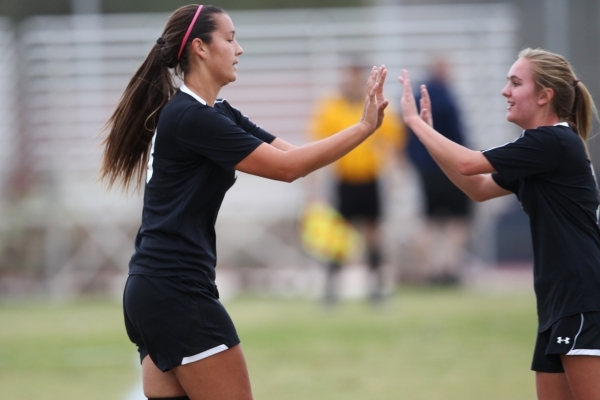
column 425, row 105
column 407, row 102
column 375, row 103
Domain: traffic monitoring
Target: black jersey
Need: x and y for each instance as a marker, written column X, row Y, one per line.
column 191, row 166
column 549, row 171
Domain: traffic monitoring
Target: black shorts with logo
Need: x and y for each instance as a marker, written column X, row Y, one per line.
column 176, row 320
column 577, row 334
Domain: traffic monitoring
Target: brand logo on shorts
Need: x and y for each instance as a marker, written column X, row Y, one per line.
column 560, row 340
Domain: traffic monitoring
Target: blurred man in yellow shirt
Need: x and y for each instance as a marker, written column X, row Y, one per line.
column 358, row 174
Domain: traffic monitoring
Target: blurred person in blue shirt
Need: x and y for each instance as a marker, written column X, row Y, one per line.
column 446, row 209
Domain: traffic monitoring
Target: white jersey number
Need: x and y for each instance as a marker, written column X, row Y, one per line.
column 597, row 194
column 151, row 159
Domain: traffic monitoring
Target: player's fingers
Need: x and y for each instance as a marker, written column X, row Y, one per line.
column 378, row 83
column 373, row 90
column 382, row 76
column 381, row 71
column 425, row 97
column 384, row 104
column 406, row 83
column 372, row 79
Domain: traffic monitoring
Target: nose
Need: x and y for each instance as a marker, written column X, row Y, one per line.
column 240, row 51
column 505, row 91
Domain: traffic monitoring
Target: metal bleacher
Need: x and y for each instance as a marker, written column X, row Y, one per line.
column 8, row 106
column 9, row 139
column 74, row 68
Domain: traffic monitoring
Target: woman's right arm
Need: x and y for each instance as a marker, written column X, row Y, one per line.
column 287, row 165
column 479, row 188
column 467, row 169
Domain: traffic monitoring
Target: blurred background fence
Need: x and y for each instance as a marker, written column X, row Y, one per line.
column 8, row 103
column 62, row 234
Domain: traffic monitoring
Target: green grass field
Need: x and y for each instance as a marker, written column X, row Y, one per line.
column 423, row 344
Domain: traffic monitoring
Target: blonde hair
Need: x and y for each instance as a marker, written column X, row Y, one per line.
column 572, row 101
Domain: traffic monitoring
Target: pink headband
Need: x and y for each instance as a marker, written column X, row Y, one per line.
column 189, row 30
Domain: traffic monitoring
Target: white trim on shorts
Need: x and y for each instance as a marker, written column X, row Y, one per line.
column 581, row 352
column 204, row 354
column 578, row 333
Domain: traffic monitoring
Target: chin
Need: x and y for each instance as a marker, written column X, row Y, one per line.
column 511, row 118
column 228, row 81
column 516, row 122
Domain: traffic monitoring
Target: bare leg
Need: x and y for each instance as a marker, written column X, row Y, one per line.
column 456, row 236
column 374, row 260
column 223, row 376
column 433, row 250
column 157, row 383
column 424, row 248
column 583, row 375
column 332, row 282
column 552, row 386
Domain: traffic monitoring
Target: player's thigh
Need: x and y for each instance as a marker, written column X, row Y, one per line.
column 223, row 376
column 552, row 386
column 583, row 375
column 158, row 384
column 550, row 379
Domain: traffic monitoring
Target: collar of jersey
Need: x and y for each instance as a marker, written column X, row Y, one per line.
column 562, row 124
column 186, row 90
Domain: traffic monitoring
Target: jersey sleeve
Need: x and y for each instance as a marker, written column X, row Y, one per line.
column 536, row 151
column 512, row 186
column 244, row 122
column 210, row 133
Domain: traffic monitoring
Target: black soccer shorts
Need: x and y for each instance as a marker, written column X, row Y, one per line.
column 577, row 334
column 176, row 320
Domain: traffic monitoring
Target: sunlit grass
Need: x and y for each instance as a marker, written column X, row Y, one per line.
column 423, row 344
column 66, row 351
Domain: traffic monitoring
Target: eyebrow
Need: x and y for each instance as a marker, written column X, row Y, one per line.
column 513, row 76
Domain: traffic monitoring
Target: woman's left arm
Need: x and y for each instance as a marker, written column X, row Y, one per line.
column 464, row 161
column 281, row 144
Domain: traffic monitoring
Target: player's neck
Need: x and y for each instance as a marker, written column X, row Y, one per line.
column 545, row 117
column 207, row 91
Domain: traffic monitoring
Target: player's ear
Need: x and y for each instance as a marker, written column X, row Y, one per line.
column 545, row 96
column 199, row 48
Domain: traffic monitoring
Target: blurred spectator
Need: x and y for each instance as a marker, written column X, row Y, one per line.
column 447, row 210
column 357, row 176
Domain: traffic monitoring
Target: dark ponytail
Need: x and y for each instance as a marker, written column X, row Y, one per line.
column 134, row 121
